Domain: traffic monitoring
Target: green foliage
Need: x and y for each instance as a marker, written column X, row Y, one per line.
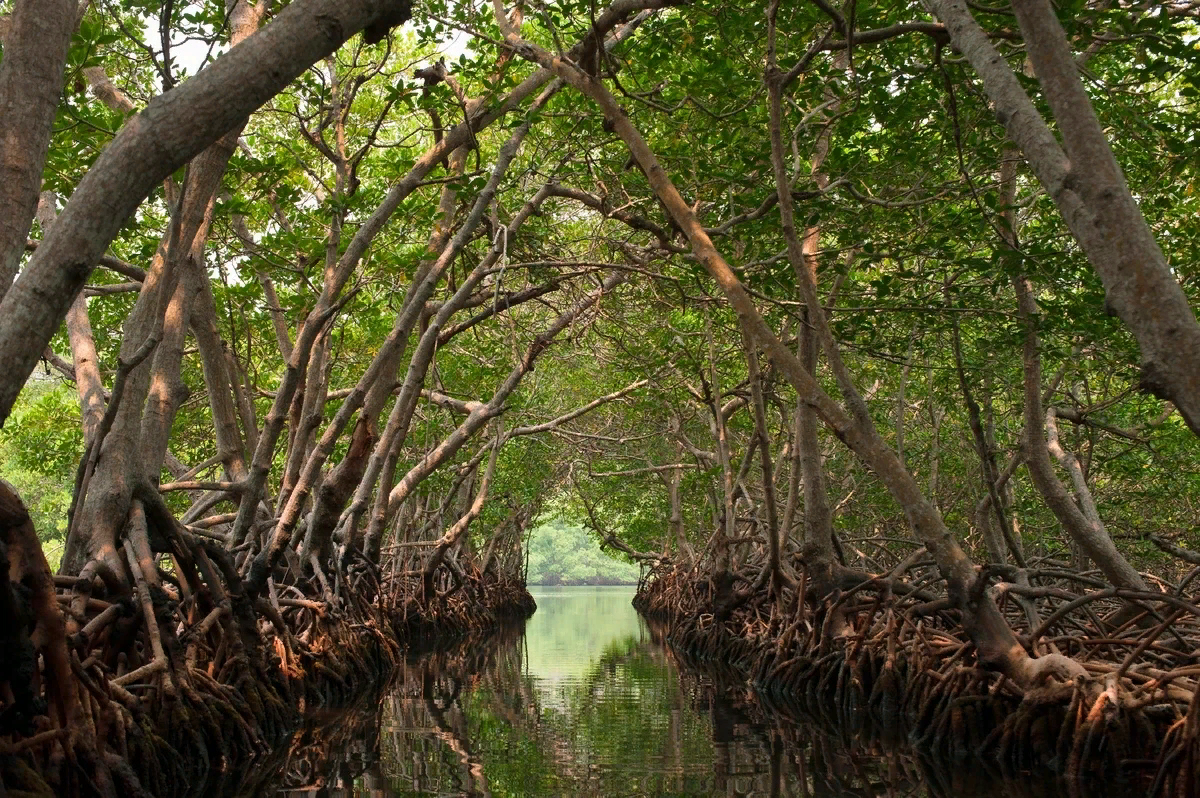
column 909, row 230
column 40, row 446
column 561, row 553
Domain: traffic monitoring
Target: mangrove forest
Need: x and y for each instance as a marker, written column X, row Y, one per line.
column 860, row 336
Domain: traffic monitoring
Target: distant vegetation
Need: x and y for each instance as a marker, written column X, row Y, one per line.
column 561, row 553
column 40, row 446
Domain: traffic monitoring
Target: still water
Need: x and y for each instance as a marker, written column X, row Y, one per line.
column 586, row 703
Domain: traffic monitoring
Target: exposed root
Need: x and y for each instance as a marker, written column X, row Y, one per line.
column 1090, row 703
column 163, row 689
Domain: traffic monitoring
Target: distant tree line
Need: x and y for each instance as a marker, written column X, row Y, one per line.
column 561, row 553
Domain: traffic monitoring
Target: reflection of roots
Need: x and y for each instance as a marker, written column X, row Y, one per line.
column 152, row 672
column 331, row 746
column 903, row 669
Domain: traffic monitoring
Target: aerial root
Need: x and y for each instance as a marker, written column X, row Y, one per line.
column 1179, row 764
column 1091, row 708
column 168, row 672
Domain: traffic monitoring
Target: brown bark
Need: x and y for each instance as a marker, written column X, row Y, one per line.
column 85, row 363
column 135, row 448
column 166, row 389
column 104, row 497
column 88, row 382
column 384, row 457
column 218, row 383
column 206, row 170
column 1070, row 464
column 1090, row 537
column 818, row 549
column 173, row 129
column 774, row 564
column 106, row 91
column 31, row 81
column 994, row 640
column 39, row 624
column 1089, row 189
column 459, row 528
column 301, row 425
column 339, row 485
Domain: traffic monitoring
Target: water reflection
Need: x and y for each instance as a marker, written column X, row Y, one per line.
column 587, row 703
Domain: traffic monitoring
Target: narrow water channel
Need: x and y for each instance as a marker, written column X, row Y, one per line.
column 586, row 703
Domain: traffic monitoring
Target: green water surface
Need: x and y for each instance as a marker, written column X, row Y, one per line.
column 586, row 703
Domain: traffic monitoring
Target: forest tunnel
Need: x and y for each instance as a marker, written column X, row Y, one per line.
column 808, row 314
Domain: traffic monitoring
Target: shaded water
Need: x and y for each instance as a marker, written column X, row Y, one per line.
column 587, row 703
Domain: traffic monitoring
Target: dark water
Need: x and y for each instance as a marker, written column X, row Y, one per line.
column 586, row 703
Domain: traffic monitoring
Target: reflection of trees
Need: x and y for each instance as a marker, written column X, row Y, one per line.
column 333, row 749
column 426, row 741
column 622, row 728
column 626, row 726
column 357, row 751
column 635, row 722
column 623, row 719
column 830, row 751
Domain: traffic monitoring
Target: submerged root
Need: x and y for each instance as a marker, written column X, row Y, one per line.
column 166, row 685
column 1090, row 706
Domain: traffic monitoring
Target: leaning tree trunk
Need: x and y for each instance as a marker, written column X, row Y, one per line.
column 994, row 640
column 169, row 132
column 1089, row 536
column 31, row 81
column 133, row 450
column 1088, row 187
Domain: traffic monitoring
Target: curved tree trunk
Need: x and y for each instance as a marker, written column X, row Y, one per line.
column 31, row 81
column 1090, row 536
column 995, row 641
column 169, row 132
column 1088, row 187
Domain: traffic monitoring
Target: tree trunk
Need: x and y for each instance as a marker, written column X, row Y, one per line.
column 31, row 81
column 88, row 382
column 803, row 253
column 1089, row 189
column 1093, row 539
column 774, row 565
column 173, row 129
column 994, row 640
column 339, row 486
